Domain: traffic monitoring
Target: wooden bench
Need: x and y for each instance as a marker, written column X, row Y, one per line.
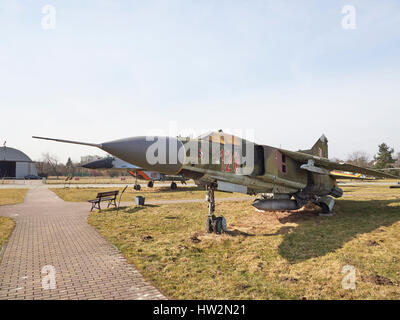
column 109, row 196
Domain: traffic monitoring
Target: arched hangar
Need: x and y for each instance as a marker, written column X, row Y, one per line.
column 15, row 164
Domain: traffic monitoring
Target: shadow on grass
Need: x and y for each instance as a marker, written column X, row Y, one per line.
column 138, row 208
column 283, row 230
column 129, row 209
column 236, row 232
column 316, row 236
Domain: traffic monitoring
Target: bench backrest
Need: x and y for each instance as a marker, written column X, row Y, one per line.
column 107, row 194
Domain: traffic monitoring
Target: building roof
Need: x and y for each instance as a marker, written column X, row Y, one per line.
column 11, row 154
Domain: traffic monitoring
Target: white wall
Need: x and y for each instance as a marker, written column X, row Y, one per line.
column 25, row 168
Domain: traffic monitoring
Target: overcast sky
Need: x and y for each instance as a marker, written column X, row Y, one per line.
column 287, row 70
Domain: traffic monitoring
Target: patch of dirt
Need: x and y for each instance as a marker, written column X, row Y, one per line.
column 147, row 238
column 237, row 232
column 379, row 280
column 194, row 238
column 242, row 286
column 308, row 208
column 371, row 243
column 213, row 237
column 289, row 280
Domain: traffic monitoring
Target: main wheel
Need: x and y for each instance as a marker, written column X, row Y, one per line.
column 224, row 227
column 173, row 186
column 150, row 184
column 324, row 208
column 220, row 225
column 216, row 225
column 209, row 225
column 136, row 187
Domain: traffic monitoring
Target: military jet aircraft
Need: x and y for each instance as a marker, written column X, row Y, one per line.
column 135, row 171
column 286, row 180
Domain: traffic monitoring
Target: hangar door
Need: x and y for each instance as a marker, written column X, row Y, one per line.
column 7, row 169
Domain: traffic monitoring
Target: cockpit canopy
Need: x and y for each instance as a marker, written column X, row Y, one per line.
column 221, row 137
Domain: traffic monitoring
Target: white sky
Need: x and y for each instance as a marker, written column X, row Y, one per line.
column 114, row 69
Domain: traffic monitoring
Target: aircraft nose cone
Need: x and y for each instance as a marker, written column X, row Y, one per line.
column 161, row 154
column 105, row 163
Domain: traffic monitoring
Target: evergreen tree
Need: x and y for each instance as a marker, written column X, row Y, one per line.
column 384, row 158
column 69, row 163
column 69, row 166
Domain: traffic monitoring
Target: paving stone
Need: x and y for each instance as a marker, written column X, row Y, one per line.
column 53, row 232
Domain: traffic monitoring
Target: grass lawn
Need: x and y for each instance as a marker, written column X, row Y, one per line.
column 6, row 226
column 155, row 193
column 264, row 255
column 12, row 196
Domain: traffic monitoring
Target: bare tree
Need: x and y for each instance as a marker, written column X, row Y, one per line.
column 52, row 161
column 359, row 158
column 398, row 160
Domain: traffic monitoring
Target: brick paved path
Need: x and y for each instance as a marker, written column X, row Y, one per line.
column 50, row 231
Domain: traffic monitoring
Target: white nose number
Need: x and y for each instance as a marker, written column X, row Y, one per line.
column 349, row 280
column 49, row 280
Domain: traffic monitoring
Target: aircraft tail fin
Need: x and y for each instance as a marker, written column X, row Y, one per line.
column 319, row 149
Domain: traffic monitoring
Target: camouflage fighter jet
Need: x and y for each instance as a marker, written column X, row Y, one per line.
column 286, row 180
column 135, row 171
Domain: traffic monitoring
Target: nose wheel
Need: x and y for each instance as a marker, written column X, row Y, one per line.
column 214, row 224
column 136, row 186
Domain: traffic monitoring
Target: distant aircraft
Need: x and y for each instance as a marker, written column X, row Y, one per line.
column 135, row 171
column 287, row 180
column 350, row 175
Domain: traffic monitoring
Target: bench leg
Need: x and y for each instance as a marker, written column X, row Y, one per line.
column 111, row 203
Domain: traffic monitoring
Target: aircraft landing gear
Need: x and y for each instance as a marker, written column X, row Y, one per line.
column 214, row 224
column 136, row 186
column 173, row 185
column 327, row 204
column 150, row 184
